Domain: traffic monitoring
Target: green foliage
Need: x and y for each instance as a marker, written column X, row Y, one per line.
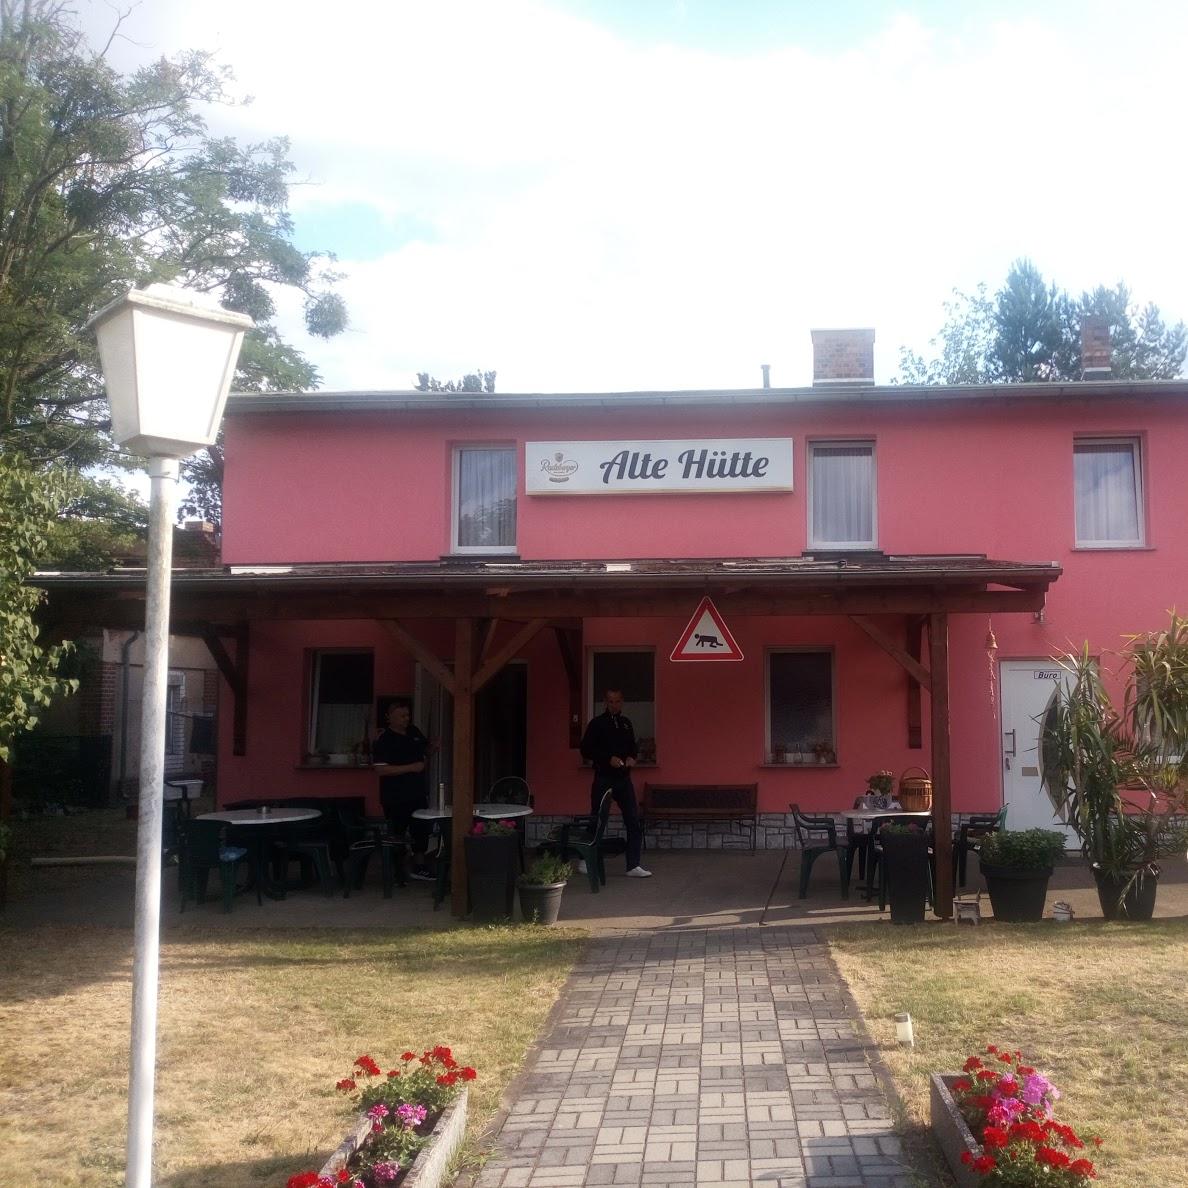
column 545, row 871
column 29, row 672
column 101, row 522
column 1025, row 849
column 110, row 180
column 474, row 381
column 1031, row 331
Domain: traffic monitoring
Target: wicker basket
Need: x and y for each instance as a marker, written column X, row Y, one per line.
column 915, row 791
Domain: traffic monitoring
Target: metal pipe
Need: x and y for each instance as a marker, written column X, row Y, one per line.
column 146, row 957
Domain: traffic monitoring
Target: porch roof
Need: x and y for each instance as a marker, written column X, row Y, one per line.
column 814, row 583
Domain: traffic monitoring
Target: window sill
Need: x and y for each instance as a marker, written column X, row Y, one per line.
column 637, row 767
column 1121, row 548
column 799, row 766
column 511, row 555
column 332, row 766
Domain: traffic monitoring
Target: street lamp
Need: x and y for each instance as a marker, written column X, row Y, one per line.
column 168, row 357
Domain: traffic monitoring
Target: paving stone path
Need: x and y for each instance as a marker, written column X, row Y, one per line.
column 701, row 1057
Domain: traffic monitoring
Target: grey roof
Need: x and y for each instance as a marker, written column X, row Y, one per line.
column 833, row 394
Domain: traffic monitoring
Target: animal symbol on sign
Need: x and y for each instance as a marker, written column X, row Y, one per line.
column 707, row 641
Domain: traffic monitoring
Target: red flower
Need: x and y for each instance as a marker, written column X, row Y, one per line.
column 344, row 1176
column 366, row 1065
column 987, row 1074
column 1006, row 1058
column 441, row 1052
column 966, row 1158
column 345, row 1085
column 1083, row 1167
column 1025, row 1070
column 393, row 1072
column 408, row 1056
column 468, row 1073
column 962, row 1086
column 1008, row 1086
column 302, row 1180
column 972, row 1063
column 994, row 1136
column 992, row 1049
column 984, row 1164
column 443, row 1079
column 1052, row 1157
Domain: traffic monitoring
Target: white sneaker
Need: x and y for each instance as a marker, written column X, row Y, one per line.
column 638, row 872
column 581, row 866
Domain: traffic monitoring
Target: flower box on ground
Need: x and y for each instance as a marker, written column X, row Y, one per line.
column 951, row 1132
column 429, row 1168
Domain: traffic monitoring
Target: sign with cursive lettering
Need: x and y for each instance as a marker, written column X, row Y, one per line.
column 635, row 467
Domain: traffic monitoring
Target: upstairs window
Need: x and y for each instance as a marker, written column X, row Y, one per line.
column 1109, row 492
column 841, row 495
column 484, row 500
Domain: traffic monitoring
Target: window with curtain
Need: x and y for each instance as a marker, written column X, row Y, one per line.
column 340, row 701
column 800, row 705
column 1109, row 492
column 842, row 495
column 485, row 499
column 633, row 673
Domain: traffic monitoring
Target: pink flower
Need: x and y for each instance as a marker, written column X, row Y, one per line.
column 385, row 1173
column 379, row 1110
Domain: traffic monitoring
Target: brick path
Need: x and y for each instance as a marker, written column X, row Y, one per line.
column 701, row 1057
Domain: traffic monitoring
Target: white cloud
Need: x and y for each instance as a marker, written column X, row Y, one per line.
column 608, row 213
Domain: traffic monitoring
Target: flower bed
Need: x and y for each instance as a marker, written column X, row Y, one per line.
column 409, row 1122
column 1006, row 1104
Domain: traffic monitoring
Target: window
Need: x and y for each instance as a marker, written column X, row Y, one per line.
column 484, row 500
column 841, row 495
column 1109, row 492
column 633, row 671
column 340, row 701
column 175, row 717
column 800, row 706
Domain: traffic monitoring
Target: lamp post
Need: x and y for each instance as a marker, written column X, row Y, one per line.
column 168, row 357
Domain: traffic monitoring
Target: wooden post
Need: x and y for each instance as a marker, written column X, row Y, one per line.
column 464, row 639
column 942, row 802
column 915, row 738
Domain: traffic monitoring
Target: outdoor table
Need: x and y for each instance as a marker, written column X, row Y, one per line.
column 261, row 836
column 483, row 812
column 860, row 841
column 377, row 836
column 183, row 790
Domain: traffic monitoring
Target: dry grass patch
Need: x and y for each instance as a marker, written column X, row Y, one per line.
column 254, row 1030
column 1100, row 1007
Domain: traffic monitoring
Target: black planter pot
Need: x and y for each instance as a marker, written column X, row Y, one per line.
column 492, row 864
column 905, row 862
column 541, row 904
column 1139, row 901
column 1017, row 896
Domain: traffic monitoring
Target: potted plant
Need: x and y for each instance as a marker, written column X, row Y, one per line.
column 541, row 887
column 905, row 871
column 1099, row 763
column 779, row 752
column 879, row 788
column 492, row 862
column 1017, row 867
column 823, row 752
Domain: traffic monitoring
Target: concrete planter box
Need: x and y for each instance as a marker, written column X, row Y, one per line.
column 951, row 1132
column 429, row 1168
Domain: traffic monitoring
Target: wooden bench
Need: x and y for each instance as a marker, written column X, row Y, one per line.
column 701, row 803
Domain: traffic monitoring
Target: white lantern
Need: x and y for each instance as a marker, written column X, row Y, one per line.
column 168, row 356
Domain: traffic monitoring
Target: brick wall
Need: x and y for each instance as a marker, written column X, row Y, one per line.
column 843, row 356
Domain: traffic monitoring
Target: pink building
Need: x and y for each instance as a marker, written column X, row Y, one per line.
column 853, row 537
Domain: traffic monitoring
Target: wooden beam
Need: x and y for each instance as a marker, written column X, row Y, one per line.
column 221, row 657
column 569, row 641
column 235, row 673
column 509, row 651
column 915, row 731
column 422, row 654
column 489, row 632
column 942, row 802
column 914, row 668
column 463, row 760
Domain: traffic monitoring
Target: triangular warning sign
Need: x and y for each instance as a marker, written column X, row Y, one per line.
column 707, row 637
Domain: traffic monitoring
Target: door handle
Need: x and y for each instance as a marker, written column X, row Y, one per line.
column 1004, row 735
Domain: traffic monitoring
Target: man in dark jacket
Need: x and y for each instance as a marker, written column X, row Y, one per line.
column 399, row 755
column 609, row 744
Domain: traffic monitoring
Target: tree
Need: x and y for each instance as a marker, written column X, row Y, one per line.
column 475, row 381
column 29, row 671
column 108, row 180
column 99, row 522
column 1031, row 331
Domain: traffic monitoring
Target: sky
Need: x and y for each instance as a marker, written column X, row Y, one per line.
column 589, row 195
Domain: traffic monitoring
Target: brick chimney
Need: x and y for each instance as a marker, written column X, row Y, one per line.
column 1095, row 348
column 843, row 356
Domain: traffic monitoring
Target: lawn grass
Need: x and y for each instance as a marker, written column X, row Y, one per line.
column 254, row 1030
column 1099, row 1007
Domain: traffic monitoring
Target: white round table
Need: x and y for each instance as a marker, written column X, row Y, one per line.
column 274, row 816
column 182, row 789
column 485, row 812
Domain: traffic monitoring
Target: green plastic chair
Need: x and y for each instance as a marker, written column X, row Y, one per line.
column 817, row 836
column 588, row 842
column 203, row 850
column 970, row 836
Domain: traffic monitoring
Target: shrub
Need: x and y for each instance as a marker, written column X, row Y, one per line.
column 1024, row 849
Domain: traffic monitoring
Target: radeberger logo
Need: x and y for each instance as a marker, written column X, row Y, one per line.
column 558, row 468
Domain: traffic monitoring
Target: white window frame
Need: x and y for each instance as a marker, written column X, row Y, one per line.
column 316, row 654
column 816, row 648
column 594, row 706
column 1135, row 442
column 456, row 501
column 862, row 545
column 175, row 715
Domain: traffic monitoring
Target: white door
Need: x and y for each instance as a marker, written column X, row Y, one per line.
column 1027, row 687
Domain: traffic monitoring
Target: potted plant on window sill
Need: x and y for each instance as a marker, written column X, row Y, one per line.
column 541, row 887
column 1017, row 867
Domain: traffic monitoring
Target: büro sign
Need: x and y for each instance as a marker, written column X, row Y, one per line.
column 635, row 467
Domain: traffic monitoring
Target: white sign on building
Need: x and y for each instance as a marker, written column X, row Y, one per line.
column 635, row 467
